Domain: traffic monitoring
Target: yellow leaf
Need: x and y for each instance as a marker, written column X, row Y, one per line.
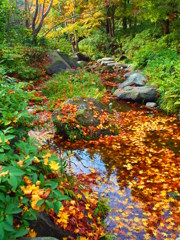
column 79, row 196
column 117, row 218
column 136, row 219
column 54, row 166
column 87, row 206
column 32, row 234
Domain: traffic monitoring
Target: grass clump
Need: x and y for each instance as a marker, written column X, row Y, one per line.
column 66, row 85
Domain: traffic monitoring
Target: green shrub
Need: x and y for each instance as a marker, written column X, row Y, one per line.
column 163, row 69
column 20, row 61
column 23, row 167
column 98, row 44
column 158, row 56
column 13, row 104
column 61, row 43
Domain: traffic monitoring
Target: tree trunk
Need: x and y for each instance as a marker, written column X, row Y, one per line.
column 36, row 27
column 124, row 20
column 113, row 21
column 107, row 21
column 76, row 41
column 124, row 23
column 8, row 26
column 26, row 13
column 166, row 26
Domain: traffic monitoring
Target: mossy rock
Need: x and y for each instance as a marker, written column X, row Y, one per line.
column 85, row 119
column 56, row 63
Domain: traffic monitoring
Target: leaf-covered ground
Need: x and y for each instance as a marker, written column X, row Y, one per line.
column 137, row 170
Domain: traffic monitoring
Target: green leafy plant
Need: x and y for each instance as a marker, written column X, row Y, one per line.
column 102, row 207
column 68, row 85
column 23, row 188
column 18, row 60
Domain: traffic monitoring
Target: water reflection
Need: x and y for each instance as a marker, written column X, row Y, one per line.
column 137, row 187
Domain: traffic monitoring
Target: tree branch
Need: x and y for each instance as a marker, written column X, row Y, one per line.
column 35, row 16
column 56, row 25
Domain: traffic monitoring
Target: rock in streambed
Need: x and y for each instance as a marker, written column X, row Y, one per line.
column 83, row 118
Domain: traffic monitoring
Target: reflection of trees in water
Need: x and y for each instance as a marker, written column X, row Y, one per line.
column 150, row 177
column 150, row 172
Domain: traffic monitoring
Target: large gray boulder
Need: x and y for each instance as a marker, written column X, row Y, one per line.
column 135, row 79
column 137, row 94
column 57, row 62
column 71, row 61
column 128, row 74
column 86, row 122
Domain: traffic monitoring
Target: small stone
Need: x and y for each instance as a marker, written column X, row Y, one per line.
column 174, row 195
column 94, row 66
column 113, row 64
column 106, row 62
column 151, row 104
column 105, row 59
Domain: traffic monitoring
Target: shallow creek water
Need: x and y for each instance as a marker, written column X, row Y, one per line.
column 141, row 180
column 138, row 184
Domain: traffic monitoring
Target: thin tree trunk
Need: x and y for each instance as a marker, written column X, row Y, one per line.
column 8, row 25
column 113, row 21
column 36, row 27
column 107, row 21
column 26, row 13
column 166, row 26
column 124, row 23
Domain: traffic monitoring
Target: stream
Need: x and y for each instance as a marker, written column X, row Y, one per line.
column 140, row 178
column 134, row 213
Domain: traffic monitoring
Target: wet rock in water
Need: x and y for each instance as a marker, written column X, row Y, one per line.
column 135, row 79
column 151, row 104
column 55, row 63
column 175, row 195
column 86, row 120
column 137, row 94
